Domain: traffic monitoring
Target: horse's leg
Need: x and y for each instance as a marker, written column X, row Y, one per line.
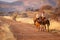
column 37, row 26
column 43, row 27
column 40, row 27
column 48, row 24
column 48, row 28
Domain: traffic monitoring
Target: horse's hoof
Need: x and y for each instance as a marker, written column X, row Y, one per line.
column 47, row 31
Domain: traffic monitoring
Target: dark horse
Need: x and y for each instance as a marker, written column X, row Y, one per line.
column 42, row 21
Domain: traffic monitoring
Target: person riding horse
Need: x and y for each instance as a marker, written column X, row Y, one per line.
column 42, row 20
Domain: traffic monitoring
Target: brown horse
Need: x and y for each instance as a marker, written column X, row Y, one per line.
column 41, row 23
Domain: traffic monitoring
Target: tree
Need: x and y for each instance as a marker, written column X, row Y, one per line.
column 46, row 7
column 25, row 15
column 14, row 15
column 58, row 3
column 1, row 13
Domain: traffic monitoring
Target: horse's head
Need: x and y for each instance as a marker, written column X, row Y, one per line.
column 43, row 17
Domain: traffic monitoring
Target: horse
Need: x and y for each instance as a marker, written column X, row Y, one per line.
column 41, row 23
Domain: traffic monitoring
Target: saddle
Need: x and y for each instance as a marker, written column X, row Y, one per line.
column 41, row 21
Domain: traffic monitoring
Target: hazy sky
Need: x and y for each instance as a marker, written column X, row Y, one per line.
column 8, row 0
column 32, row 3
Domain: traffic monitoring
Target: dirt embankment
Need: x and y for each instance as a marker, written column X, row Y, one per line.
column 5, row 33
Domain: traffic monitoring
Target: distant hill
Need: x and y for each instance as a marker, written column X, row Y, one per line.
column 5, row 6
column 22, row 5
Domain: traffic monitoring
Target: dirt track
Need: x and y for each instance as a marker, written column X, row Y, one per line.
column 24, row 31
column 28, row 32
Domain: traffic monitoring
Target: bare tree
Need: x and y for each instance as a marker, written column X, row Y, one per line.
column 46, row 7
column 14, row 15
column 58, row 3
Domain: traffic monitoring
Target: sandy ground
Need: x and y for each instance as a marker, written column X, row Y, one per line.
column 26, row 31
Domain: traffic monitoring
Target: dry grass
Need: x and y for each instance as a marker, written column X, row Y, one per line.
column 53, row 24
column 5, row 33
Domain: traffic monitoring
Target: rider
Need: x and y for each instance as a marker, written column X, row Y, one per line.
column 41, row 17
column 36, row 16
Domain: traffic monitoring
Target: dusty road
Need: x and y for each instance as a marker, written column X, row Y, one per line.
column 28, row 32
column 24, row 31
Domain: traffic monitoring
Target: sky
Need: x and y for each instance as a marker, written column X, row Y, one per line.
column 32, row 3
column 18, row 0
column 8, row 0
column 27, row 2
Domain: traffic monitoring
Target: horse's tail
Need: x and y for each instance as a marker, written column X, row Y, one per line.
column 48, row 24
